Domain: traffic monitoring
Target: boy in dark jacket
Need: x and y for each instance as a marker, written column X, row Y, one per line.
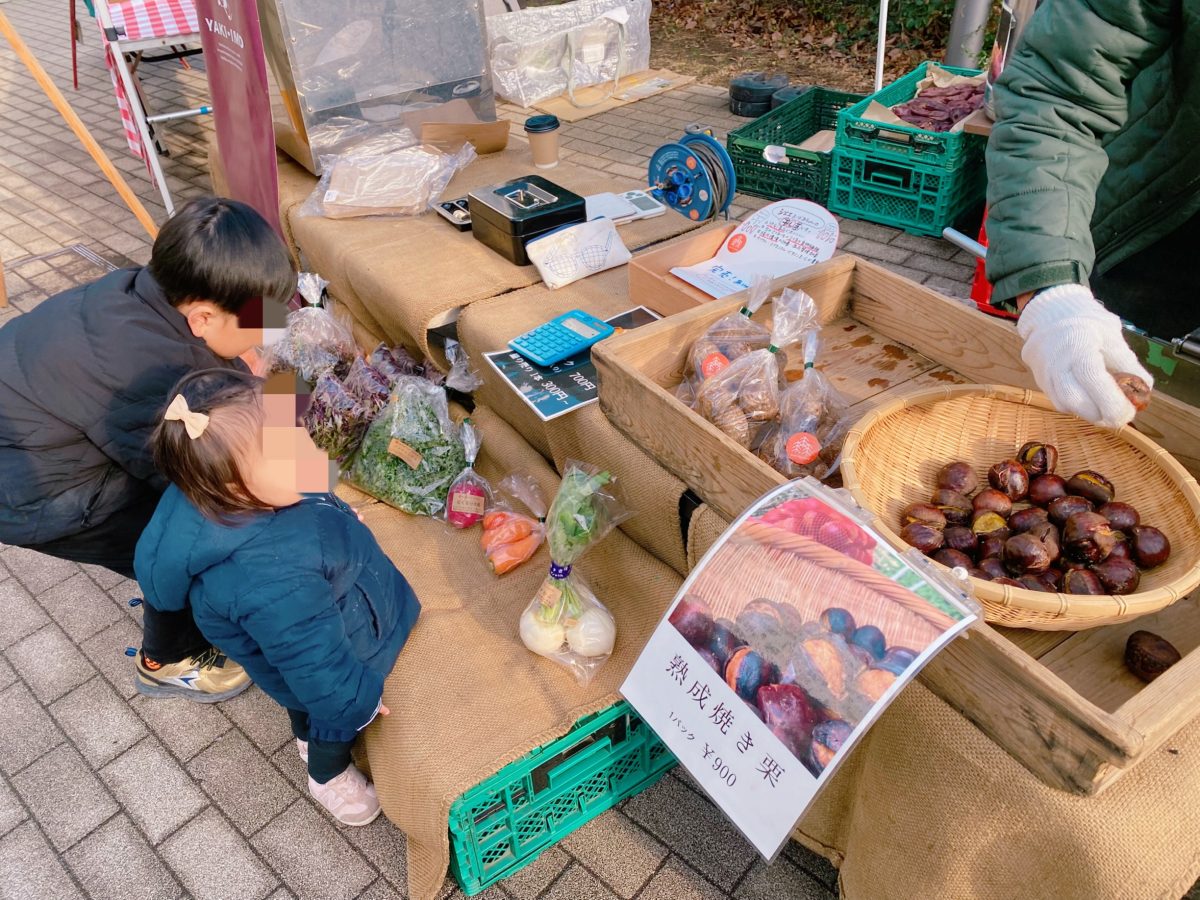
column 83, row 379
column 278, row 572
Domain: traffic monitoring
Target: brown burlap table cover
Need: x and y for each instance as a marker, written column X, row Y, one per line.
column 407, row 273
column 466, row 696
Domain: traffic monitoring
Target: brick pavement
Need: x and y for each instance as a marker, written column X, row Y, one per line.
column 104, row 793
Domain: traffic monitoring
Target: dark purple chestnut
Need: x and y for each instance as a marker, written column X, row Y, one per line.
column 1069, row 565
column 1147, row 655
column 1121, row 516
column 1034, row 583
column 1010, row 478
column 1150, row 546
column 954, row 506
column 1026, row 555
column 992, row 568
column 1092, row 486
column 958, row 477
column 976, row 572
column 923, row 537
column 1046, row 488
column 1088, row 538
column 992, row 500
column 952, row 559
column 1011, row 582
column 964, row 540
column 1119, row 576
column 1121, row 550
column 1024, row 519
column 991, row 546
column 923, row 514
column 1048, row 535
column 988, row 523
column 1081, row 581
column 1050, row 579
column 1064, row 507
column 1038, row 458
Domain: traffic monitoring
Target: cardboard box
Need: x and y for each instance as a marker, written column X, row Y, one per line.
column 651, row 283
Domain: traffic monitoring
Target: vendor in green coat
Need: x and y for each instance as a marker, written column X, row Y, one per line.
column 1094, row 191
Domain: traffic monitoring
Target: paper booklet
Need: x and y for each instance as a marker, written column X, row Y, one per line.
column 552, row 391
column 782, row 647
column 777, row 240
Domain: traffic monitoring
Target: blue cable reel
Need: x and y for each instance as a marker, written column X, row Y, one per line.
column 693, row 176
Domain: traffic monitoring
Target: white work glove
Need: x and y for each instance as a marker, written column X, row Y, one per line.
column 1074, row 346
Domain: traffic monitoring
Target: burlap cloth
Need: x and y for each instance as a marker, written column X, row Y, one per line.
column 585, row 433
column 928, row 807
column 466, row 697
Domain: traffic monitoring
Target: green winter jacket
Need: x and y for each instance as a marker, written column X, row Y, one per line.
column 1096, row 150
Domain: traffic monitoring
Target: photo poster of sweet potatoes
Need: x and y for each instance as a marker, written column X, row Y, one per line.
column 791, row 637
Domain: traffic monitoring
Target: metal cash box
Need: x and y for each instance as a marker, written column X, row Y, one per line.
column 507, row 216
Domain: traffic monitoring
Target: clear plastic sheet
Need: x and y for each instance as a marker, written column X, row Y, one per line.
column 510, row 538
column 729, row 338
column 544, row 51
column 374, row 182
column 470, row 493
column 566, row 622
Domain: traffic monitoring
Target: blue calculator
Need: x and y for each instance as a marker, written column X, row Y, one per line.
column 566, row 336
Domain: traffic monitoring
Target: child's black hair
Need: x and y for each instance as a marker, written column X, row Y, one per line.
column 223, row 251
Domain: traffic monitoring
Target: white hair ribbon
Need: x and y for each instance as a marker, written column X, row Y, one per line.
column 194, row 422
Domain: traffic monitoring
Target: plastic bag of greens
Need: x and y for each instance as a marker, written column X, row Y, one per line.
column 412, row 451
column 565, row 622
column 367, row 385
column 314, row 342
column 813, row 423
column 728, row 339
column 509, row 537
column 744, row 398
column 335, row 419
column 394, row 362
column 470, row 494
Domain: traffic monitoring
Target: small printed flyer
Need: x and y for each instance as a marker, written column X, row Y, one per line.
column 782, row 647
column 552, row 391
column 777, row 240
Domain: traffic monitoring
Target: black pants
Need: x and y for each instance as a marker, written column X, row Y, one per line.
column 326, row 759
column 166, row 637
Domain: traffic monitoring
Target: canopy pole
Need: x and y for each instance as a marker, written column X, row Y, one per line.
column 85, row 137
column 881, row 46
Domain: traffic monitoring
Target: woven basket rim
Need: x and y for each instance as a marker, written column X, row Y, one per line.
column 1022, row 607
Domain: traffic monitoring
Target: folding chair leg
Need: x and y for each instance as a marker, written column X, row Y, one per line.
column 138, row 112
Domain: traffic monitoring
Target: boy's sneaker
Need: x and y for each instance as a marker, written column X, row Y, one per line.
column 206, row 678
column 349, row 797
column 302, row 748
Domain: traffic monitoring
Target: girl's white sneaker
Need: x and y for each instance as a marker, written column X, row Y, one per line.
column 349, row 797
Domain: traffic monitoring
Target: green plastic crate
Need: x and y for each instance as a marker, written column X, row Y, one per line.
column 904, row 143
column 918, row 199
column 504, row 823
column 805, row 175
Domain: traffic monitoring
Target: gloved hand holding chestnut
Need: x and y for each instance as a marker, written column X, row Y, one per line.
column 1076, row 351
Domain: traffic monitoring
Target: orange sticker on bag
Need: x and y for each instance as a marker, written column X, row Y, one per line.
column 714, row 363
column 401, row 450
column 803, row 448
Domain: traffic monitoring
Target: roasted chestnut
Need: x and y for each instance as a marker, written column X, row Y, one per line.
column 992, row 545
column 952, row 559
column 1004, row 579
column 1136, row 391
column 992, row 568
column 1092, row 486
column 992, row 500
column 1121, row 516
column 954, row 506
column 1045, row 488
column 964, row 540
column 1050, row 579
column 924, row 514
column 1121, row 550
column 1024, row 519
column 1088, row 538
column 923, row 537
column 988, row 523
column 1064, row 507
column 1081, row 581
column 1119, row 576
column 958, row 477
column 1026, row 555
column 1147, row 655
column 1048, row 534
column 1010, row 478
column 1034, row 583
column 1149, row 545
column 1038, row 458
column 976, row 572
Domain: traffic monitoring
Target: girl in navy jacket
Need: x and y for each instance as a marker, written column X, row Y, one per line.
column 279, row 573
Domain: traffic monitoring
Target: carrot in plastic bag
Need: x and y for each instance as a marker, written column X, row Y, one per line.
column 506, row 557
column 511, row 529
column 510, row 538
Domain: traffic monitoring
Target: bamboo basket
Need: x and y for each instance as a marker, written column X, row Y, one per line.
column 892, row 456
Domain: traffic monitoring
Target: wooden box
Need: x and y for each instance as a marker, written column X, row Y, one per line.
column 1061, row 703
column 651, row 282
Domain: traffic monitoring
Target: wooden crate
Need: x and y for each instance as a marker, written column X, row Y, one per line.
column 651, row 282
column 1061, row 703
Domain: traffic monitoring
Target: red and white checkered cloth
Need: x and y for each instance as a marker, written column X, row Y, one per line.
column 137, row 19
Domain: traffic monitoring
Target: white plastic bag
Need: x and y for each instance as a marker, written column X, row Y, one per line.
column 577, row 251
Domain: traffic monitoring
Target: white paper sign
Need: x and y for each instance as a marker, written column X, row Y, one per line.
column 779, row 239
column 793, row 634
